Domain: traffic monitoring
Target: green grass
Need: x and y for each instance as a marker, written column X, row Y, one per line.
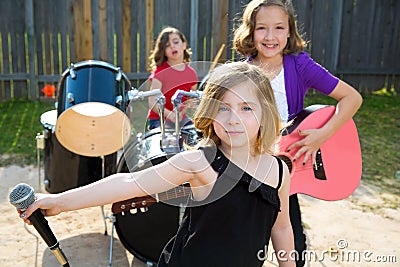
column 19, row 124
column 378, row 123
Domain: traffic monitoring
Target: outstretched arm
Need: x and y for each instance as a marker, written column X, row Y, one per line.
column 117, row 187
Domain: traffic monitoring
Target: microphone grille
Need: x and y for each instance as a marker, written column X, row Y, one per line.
column 22, row 196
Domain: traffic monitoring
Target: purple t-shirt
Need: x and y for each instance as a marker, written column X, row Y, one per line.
column 301, row 74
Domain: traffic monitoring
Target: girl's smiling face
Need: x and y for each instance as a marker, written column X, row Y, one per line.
column 271, row 32
column 238, row 118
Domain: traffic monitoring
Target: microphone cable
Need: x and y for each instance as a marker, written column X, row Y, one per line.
column 37, row 243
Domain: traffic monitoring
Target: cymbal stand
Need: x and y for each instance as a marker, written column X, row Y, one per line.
column 133, row 95
column 177, row 102
column 161, row 103
column 109, row 217
column 40, row 146
column 102, row 207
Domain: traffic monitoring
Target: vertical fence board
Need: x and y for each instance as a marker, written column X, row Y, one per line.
column 118, row 32
column 319, row 18
column 395, row 52
column 194, row 18
column 110, row 31
column 29, row 20
column 150, row 32
column 134, row 39
column 142, row 49
column 346, row 34
column 95, row 28
column 102, row 30
column 126, row 34
column 303, row 11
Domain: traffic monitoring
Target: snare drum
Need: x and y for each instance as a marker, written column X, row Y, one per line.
column 64, row 169
column 144, row 234
column 93, row 96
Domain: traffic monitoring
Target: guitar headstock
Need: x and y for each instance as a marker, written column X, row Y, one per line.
column 133, row 204
column 142, row 203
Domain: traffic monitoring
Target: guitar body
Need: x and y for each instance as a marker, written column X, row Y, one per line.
column 339, row 163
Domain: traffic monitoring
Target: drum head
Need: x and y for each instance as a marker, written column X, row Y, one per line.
column 93, row 129
column 49, row 119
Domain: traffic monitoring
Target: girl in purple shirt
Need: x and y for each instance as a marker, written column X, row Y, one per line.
column 268, row 37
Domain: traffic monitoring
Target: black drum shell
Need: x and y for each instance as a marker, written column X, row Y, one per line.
column 63, row 169
column 144, row 234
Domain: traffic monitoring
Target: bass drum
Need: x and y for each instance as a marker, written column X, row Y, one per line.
column 144, row 234
column 63, row 169
column 93, row 81
column 92, row 100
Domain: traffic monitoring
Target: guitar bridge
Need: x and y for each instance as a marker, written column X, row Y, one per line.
column 319, row 171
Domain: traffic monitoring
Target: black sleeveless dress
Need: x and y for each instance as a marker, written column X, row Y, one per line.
column 231, row 227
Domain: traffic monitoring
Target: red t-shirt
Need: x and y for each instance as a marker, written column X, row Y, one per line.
column 172, row 80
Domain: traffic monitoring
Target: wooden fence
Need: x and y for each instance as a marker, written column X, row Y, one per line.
column 359, row 41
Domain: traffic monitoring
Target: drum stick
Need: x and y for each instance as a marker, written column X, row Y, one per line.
column 221, row 49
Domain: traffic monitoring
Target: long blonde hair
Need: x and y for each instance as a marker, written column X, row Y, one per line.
column 219, row 82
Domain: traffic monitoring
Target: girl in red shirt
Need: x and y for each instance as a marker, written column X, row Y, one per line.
column 170, row 72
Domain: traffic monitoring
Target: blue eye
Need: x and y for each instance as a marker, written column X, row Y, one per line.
column 223, row 108
column 247, row 108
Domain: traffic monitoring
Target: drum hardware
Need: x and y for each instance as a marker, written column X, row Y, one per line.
column 107, row 217
column 118, row 77
column 71, row 98
column 135, row 95
column 118, row 100
column 176, row 100
column 39, row 146
column 83, row 120
column 112, row 219
column 72, row 71
column 161, row 103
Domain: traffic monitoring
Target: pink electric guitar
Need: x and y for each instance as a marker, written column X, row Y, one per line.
column 339, row 164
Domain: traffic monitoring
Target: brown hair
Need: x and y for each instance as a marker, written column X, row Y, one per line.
column 157, row 56
column 243, row 37
column 219, row 82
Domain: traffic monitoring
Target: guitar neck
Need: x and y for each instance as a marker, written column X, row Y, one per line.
column 177, row 192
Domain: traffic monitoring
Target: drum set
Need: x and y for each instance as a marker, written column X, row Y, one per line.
column 89, row 136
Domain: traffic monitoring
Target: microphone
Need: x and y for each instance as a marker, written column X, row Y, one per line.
column 135, row 94
column 22, row 196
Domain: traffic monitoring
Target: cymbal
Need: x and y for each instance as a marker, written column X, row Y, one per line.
column 93, row 129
